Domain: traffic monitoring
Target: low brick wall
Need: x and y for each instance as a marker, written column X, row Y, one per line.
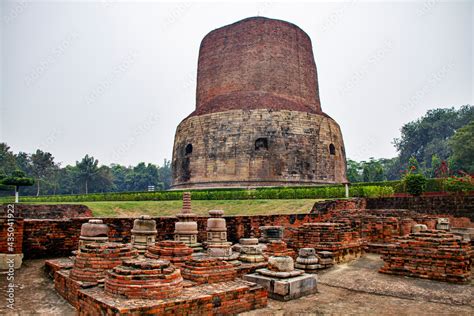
column 49, row 211
column 58, row 237
column 431, row 254
column 224, row 298
column 459, row 209
column 340, row 238
column 457, row 206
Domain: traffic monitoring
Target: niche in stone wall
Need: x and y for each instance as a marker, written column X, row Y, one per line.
column 188, row 150
column 261, row 144
column 185, row 168
column 332, row 149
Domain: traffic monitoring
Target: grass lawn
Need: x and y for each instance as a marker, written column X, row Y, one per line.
column 201, row 207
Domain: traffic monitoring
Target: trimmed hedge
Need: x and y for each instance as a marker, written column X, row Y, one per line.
column 320, row 192
column 362, row 189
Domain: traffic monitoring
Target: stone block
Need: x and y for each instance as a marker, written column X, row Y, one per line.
column 285, row 289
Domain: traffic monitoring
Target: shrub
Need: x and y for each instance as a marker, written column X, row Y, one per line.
column 460, row 184
column 376, row 191
column 415, row 184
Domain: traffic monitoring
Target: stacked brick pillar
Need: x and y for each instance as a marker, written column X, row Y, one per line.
column 430, row 254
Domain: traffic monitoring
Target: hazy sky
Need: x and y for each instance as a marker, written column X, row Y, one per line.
column 114, row 79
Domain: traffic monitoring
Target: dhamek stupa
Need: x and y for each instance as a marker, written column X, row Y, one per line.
column 258, row 119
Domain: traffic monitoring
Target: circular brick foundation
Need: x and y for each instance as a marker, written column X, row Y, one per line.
column 144, row 279
column 176, row 252
column 93, row 260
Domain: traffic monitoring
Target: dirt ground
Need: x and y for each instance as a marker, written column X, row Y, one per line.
column 348, row 289
column 358, row 289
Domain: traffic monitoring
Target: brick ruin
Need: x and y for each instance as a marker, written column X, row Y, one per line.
column 110, row 270
column 342, row 240
column 430, row 254
column 258, row 119
column 144, row 277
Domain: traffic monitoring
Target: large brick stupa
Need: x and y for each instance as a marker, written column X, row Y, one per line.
column 258, row 119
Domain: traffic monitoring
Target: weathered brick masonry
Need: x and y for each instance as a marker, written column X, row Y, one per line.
column 49, row 211
column 430, row 254
column 258, row 119
column 58, row 237
column 224, row 298
column 340, row 238
column 459, row 209
column 451, row 205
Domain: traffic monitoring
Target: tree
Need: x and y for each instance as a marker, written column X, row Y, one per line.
column 429, row 135
column 120, row 174
column 353, row 171
column 435, row 166
column 165, row 174
column 7, row 160
column 372, row 170
column 87, row 170
column 55, row 177
column 42, row 166
column 391, row 168
column 67, row 183
column 102, row 181
column 17, row 179
column 23, row 162
column 462, row 146
column 413, row 165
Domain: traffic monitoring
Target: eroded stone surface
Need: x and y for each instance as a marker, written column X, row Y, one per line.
column 258, row 119
column 186, row 229
column 143, row 233
column 93, row 231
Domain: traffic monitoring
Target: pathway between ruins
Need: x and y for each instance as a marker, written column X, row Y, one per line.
column 355, row 288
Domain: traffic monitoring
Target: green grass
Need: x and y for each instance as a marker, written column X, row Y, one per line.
column 201, row 207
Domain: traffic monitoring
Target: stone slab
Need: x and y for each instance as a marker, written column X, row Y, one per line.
column 285, row 289
column 53, row 265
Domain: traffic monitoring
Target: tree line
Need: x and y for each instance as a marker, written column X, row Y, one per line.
column 439, row 144
column 86, row 176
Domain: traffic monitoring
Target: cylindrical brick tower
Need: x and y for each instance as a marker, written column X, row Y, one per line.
column 258, row 118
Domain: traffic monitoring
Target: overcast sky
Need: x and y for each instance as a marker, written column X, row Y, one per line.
column 114, row 79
